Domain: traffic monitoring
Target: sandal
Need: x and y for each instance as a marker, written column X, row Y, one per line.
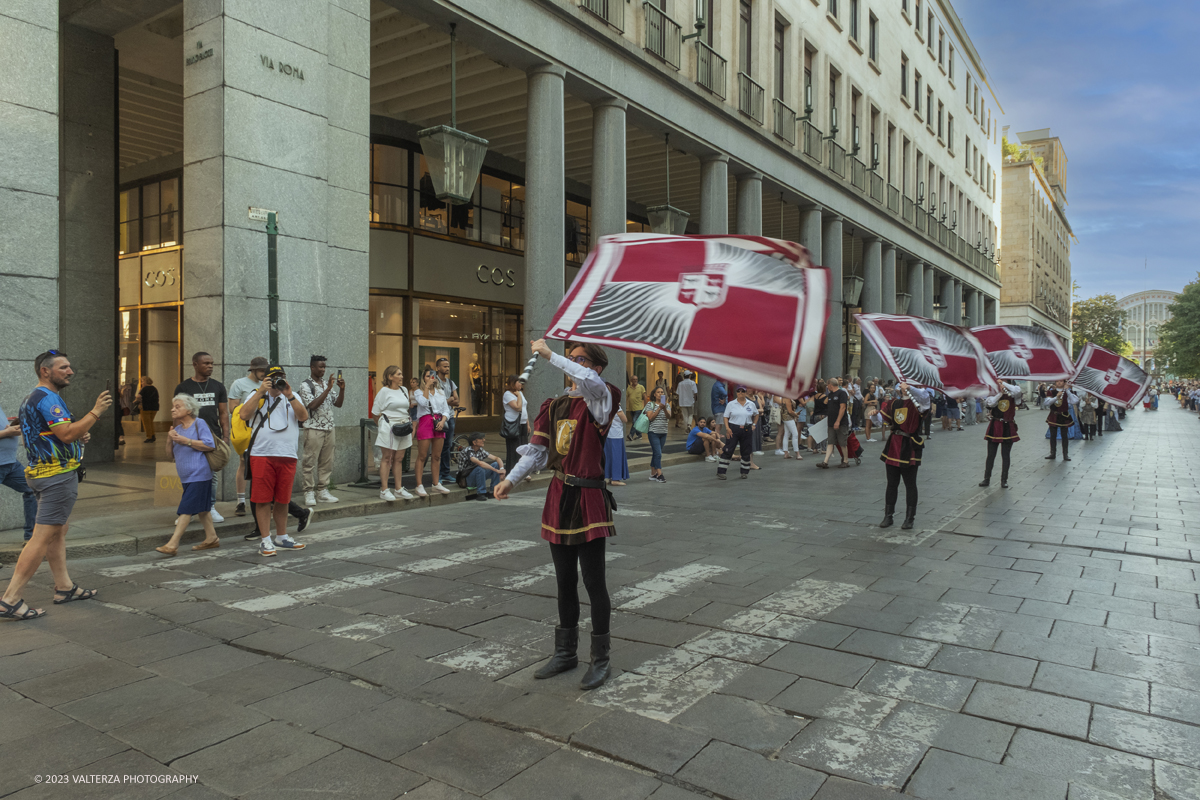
column 10, row 611
column 166, row 551
column 207, row 545
column 74, row 593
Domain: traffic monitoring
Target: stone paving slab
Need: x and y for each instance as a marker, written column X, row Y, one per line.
column 1036, row 642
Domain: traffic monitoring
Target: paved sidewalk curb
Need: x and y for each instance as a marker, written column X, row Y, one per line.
column 142, row 541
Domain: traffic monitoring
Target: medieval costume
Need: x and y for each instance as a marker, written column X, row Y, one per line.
column 1002, row 431
column 1060, row 419
column 1087, row 416
column 568, row 438
column 903, row 417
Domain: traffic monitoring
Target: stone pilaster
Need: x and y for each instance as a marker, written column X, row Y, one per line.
column 916, row 288
column 608, row 194
column 872, row 303
column 545, row 218
column 831, row 258
column 749, row 204
column 714, row 219
column 927, row 293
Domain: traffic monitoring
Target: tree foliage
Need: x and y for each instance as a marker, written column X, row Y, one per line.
column 1179, row 337
column 1098, row 320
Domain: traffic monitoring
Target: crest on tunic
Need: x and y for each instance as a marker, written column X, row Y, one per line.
column 702, row 289
column 562, row 436
column 1003, row 405
column 901, row 415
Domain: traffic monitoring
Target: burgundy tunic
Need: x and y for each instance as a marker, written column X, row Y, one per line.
column 1060, row 412
column 574, row 444
column 904, row 446
column 1003, row 427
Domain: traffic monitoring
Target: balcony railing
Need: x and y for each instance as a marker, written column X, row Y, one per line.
column 837, row 159
column 611, row 11
column 858, row 174
column 662, row 34
column 920, row 218
column 811, row 140
column 907, row 210
column 710, row 69
column 750, row 97
column 893, row 201
column 876, row 183
column 785, row 122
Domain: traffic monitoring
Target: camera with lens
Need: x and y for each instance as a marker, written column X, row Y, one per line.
column 278, row 378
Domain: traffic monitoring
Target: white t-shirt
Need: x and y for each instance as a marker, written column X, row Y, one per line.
column 617, row 429
column 510, row 413
column 393, row 403
column 738, row 414
column 687, row 392
column 434, row 404
column 280, row 433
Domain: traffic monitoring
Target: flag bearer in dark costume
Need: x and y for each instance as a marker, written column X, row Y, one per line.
column 568, row 438
column 1059, row 400
column 1001, row 431
column 902, row 418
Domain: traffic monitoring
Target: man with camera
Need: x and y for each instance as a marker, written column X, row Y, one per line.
column 316, row 394
column 274, row 414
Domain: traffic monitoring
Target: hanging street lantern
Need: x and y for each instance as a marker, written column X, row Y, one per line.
column 667, row 218
column 851, row 289
column 902, row 301
column 454, row 157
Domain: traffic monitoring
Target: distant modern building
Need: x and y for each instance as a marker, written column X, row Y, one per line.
column 1035, row 238
column 1145, row 312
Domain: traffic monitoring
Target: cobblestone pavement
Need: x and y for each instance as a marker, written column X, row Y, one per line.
column 1037, row 642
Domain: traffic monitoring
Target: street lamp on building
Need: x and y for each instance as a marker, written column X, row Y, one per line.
column 902, row 301
column 852, row 286
column 454, row 157
column 667, row 218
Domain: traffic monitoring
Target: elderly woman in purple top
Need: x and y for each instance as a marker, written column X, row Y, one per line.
column 190, row 440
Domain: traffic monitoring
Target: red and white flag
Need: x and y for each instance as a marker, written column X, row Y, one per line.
column 741, row 308
column 1022, row 352
column 1109, row 376
column 933, row 354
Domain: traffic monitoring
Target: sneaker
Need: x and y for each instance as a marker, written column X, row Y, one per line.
column 781, row 452
column 266, row 547
column 660, row 478
column 720, row 476
column 216, row 515
column 653, row 477
column 421, row 491
column 308, row 512
column 872, row 440
column 240, row 511
column 324, row 496
column 712, row 459
column 310, row 498
column 253, row 535
column 402, row 492
column 758, row 452
column 437, row 487
column 386, row 495
column 286, row 542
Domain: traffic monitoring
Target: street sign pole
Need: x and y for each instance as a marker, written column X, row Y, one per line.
column 273, row 288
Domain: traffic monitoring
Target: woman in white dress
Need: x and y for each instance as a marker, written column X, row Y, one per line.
column 392, row 406
column 432, row 412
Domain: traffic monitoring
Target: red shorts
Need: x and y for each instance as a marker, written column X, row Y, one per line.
column 271, row 479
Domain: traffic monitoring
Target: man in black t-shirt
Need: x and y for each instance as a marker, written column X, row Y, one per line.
column 838, row 414
column 214, row 405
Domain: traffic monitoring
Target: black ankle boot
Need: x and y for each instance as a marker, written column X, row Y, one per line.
column 888, row 511
column 987, row 480
column 597, row 673
column 566, row 653
column 909, row 515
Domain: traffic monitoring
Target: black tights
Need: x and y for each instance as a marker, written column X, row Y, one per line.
column 1005, row 448
column 1055, row 432
column 590, row 558
column 894, row 474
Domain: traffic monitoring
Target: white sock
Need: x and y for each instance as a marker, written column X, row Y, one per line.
column 241, row 497
column 267, row 540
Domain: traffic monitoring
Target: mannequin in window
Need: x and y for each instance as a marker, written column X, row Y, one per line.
column 476, row 371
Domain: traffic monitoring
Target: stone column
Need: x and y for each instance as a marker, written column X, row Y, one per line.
column 810, row 232
column 831, row 258
column 956, row 307
column 946, row 297
column 888, row 281
column 714, row 219
column 87, row 266
column 872, row 303
column 916, row 288
column 608, row 195
column 29, row 192
column 927, row 293
column 749, row 204
column 545, row 218
column 277, row 116
column 989, row 310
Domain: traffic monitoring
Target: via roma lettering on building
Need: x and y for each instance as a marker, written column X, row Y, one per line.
column 495, row 275
column 282, row 69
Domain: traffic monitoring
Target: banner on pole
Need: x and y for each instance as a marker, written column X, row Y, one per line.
column 1023, row 352
column 745, row 309
column 932, row 354
column 1109, row 376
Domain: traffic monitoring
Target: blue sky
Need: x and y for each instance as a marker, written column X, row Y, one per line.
column 1116, row 80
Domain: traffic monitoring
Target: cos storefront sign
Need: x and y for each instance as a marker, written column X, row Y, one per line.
column 496, row 275
column 151, row 278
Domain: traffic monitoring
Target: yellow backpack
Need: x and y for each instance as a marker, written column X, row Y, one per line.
column 240, row 430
